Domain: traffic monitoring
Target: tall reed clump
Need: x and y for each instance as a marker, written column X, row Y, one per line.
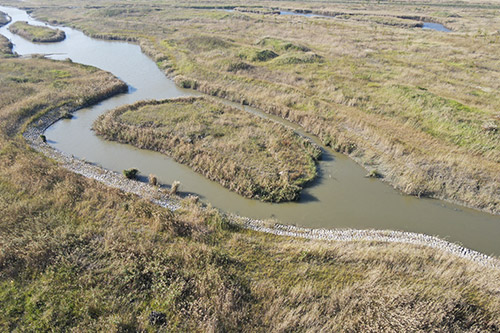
column 175, row 187
column 153, row 180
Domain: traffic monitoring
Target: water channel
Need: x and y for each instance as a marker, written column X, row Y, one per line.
column 426, row 25
column 341, row 197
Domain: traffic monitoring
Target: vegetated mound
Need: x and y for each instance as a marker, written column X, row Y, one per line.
column 238, row 66
column 37, row 34
column 4, row 18
column 257, row 55
column 206, row 43
column 281, row 45
column 32, row 88
column 5, row 47
column 297, row 58
column 255, row 157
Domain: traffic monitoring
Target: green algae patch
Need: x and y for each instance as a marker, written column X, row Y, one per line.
column 254, row 157
column 37, row 34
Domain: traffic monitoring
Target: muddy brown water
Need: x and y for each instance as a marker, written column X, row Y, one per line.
column 340, row 197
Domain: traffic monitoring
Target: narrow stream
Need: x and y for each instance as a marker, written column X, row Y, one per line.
column 340, row 197
column 426, row 25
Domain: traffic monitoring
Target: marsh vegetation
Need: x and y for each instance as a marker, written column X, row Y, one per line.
column 77, row 255
column 37, row 34
column 255, row 157
column 418, row 106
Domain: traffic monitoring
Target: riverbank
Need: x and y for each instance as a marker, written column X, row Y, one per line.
column 254, row 157
column 333, row 201
column 37, row 34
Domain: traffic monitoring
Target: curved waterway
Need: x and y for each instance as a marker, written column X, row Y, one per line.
column 341, row 197
column 426, row 25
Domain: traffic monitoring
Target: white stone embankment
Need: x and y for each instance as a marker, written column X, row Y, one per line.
column 159, row 197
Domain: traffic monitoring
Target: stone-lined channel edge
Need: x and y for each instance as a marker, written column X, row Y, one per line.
column 36, row 128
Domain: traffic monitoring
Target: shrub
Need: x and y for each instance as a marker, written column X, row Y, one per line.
column 264, row 55
column 67, row 115
column 43, row 137
column 130, row 173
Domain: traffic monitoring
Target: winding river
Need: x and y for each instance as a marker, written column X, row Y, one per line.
column 341, row 197
column 425, row 25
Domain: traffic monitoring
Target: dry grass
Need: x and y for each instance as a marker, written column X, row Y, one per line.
column 255, row 157
column 416, row 105
column 29, row 89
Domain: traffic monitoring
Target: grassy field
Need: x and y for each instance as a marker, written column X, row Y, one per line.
column 419, row 106
column 255, row 157
column 36, row 33
column 78, row 256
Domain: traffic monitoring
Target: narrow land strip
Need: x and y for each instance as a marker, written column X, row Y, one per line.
column 37, row 34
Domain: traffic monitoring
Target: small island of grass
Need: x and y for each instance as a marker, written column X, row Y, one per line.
column 4, row 18
column 37, row 34
column 254, row 157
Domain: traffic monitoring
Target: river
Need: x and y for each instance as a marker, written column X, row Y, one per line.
column 426, row 25
column 341, row 197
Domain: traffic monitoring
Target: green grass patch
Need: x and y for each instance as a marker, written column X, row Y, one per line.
column 280, row 45
column 38, row 34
